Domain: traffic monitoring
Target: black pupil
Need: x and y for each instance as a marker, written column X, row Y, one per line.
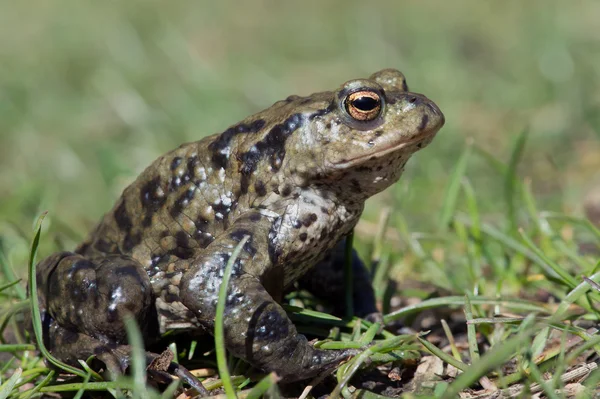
column 365, row 103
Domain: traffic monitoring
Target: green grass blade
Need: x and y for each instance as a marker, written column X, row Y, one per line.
column 35, row 308
column 12, row 348
column 7, row 387
column 562, row 273
column 219, row 322
column 6, row 286
column 138, row 358
column 574, row 220
column 263, row 386
column 471, row 333
column 298, row 311
column 434, row 350
column 41, row 384
column 453, row 188
column 517, row 304
column 514, row 245
column 10, row 275
column 497, row 356
column 370, row 334
column 511, row 181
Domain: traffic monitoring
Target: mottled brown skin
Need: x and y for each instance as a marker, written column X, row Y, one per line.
column 294, row 178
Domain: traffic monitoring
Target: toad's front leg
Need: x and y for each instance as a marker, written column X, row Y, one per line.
column 256, row 327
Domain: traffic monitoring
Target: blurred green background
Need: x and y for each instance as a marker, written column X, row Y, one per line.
column 92, row 92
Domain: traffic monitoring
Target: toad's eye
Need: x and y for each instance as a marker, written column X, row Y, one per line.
column 363, row 105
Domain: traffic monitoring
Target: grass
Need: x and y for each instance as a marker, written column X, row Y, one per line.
column 480, row 252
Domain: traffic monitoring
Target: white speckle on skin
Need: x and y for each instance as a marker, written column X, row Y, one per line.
column 222, row 175
column 200, row 172
column 116, row 297
column 225, row 200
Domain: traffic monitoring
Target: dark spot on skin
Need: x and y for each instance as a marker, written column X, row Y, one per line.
column 203, row 239
column 183, row 253
column 323, row 235
column 131, row 240
column 222, row 209
column 309, row 219
column 220, row 147
column 170, row 298
column 155, row 259
column 175, row 163
column 235, row 299
column 151, row 202
column 379, row 168
column 174, row 183
column 286, row 190
column 297, row 224
column 303, row 236
column 244, row 183
column 305, row 101
column 181, row 203
column 122, row 218
column 102, row 245
column 424, row 122
column 202, row 222
column 378, row 133
column 260, row 188
column 182, row 239
column 328, row 126
column 192, row 162
column 83, row 248
column 322, row 112
column 272, row 146
column 419, row 145
column 170, row 275
column 324, row 210
column 238, row 234
column 267, row 326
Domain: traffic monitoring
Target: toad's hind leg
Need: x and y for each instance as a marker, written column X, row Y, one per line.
column 70, row 346
column 86, row 300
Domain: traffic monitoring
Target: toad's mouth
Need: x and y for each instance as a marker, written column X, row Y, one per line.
column 379, row 153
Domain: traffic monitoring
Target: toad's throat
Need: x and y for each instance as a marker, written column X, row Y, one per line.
column 384, row 151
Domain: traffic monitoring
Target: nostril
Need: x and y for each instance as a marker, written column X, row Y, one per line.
column 412, row 99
